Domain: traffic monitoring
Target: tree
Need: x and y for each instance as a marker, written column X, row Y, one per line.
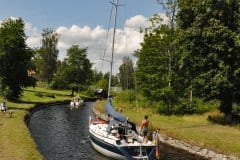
column 103, row 84
column 210, row 42
column 170, row 8
column 115, row 79
column 48, row 54
column 97, row 76
column 79, row 66
column 76, row 68
column 157, row 65
column 15, row 59
column 60, row 81
column 127, row 74
column 152, row 73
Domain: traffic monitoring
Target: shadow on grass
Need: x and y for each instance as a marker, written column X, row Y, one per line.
column 223, row 120
column 39, row 93
column 18, row 108
column 23, row 103
column 34, row 104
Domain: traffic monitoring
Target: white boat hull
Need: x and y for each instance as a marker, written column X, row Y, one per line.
column 106, row 152
column 119, row 148
column 76, row 103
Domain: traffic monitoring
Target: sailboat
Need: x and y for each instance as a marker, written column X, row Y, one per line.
column 117, row 137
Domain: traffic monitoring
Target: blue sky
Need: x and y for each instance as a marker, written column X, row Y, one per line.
column 84, row 23
column 54, row 13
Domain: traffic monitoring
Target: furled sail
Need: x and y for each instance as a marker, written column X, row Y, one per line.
column 112, row 112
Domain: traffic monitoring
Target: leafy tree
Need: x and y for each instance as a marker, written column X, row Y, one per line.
column 127, row 74
column 103, row 83
column 115, row 79
column 48, row 54
column 15, row 59
column 60, row 81
column 153, row 64
column 79, row 66
column 76, row 70
column 38, row 62
column 157, row 65
column 170, row 8
column 96, row 76
column 210, row 42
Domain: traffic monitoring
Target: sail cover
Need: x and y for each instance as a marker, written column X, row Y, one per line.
column 112, row 112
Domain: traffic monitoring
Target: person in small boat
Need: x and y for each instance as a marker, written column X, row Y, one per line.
column 144, row 128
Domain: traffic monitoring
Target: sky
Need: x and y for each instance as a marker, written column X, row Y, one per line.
column 85, row 23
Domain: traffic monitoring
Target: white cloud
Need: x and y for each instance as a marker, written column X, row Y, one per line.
column 33, row 35
column 95, row 39
column 137, row 22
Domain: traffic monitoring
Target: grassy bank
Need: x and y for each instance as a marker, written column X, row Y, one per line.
column 15, row 139
column 194, row 129
column 16, row 142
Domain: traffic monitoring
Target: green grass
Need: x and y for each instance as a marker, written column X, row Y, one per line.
column 16, row 142
column 194, row 129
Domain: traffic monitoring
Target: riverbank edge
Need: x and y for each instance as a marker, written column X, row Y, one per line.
column 39, row 106
column 181, row 145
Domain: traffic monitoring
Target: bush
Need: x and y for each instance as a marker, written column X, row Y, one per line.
column 50, row 95
column 127, row 96
column 184, row 107
column 58, row 85
column 90, row 92
column 235, row 109
column 39, row 94
column 223, row 120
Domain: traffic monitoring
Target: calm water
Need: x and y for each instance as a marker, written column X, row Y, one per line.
column 62, row 134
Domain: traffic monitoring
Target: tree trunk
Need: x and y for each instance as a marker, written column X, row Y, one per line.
column 226, row 106
column 228, row 118
column 73, row 91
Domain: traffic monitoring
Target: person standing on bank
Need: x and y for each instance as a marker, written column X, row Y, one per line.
column 3, row 106
column 144, row 128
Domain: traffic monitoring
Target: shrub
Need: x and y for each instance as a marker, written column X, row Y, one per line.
column 50, row 95
column 197, row 106
column 39, row 94
column 127, row 96
column 90, row 92
column 235, row 109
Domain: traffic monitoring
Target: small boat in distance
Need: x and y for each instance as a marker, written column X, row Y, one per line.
column 76, row 102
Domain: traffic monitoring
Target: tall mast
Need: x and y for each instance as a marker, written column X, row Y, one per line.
column 113, row 41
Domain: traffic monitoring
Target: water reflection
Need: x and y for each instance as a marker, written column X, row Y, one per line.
column 62, row 134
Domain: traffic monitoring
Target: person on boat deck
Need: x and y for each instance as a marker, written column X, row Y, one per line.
column 111, row 123
column 144, row 128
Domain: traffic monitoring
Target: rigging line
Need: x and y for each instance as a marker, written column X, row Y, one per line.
column 113, row 41
column 105, row 48
column 126, row 32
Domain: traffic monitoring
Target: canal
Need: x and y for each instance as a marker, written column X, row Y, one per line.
column 62, row 134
